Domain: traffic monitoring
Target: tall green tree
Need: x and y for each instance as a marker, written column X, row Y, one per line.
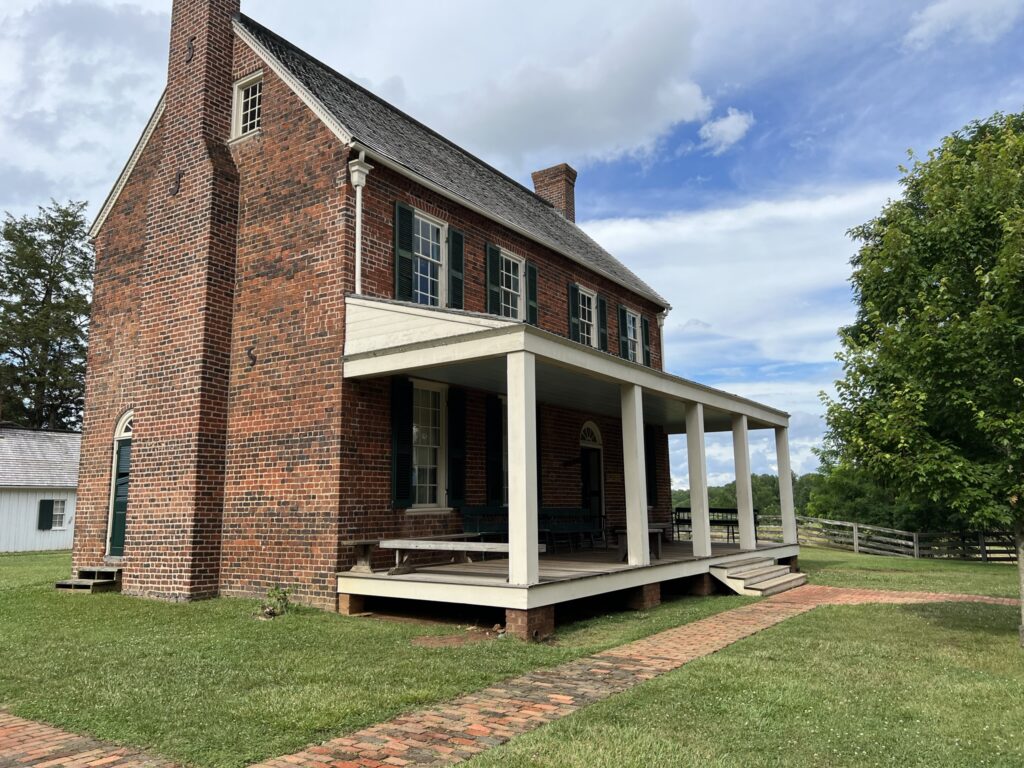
column 932, row 398
column 45, row 286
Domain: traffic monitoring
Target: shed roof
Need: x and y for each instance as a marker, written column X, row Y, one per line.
column 38, row 459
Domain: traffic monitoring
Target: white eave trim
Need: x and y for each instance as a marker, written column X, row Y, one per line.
column 307, row 98
column 129, row 167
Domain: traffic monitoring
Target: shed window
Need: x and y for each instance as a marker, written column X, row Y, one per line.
column 58, row 513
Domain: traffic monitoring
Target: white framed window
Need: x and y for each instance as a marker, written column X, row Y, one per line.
column 429, row 240
column 511, row 269
column 632, row 336
column 588, row 311
column 428, row 444
column 59, row 523
column 247, row 114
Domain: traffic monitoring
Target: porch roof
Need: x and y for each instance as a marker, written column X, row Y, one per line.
column 385, row 338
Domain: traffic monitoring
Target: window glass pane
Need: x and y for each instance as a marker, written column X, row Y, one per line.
column 586, row 318
column 251, row 107
column 426, row 440
column 632, row 327
column 58, row 513
column 426, row 284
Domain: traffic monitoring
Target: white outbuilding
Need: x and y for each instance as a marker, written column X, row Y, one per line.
column 38, row 478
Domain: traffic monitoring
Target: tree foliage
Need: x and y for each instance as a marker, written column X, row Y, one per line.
column 45, row 285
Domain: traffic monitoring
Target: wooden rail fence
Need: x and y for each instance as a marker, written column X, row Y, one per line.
column 987, row 546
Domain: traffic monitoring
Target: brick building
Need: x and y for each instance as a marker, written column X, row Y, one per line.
column 318, row 324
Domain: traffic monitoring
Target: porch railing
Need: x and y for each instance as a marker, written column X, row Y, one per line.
column 986, row 546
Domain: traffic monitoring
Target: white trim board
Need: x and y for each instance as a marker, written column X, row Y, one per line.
column 129, row 167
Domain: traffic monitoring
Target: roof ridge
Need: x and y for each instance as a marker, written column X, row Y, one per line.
column 248, row 19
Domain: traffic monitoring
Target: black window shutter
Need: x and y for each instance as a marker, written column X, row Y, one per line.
column 493, row 279
column 623, row 334
column 456, row 447
column 532, row 310
column 45, row 515
column 602, row 323
column 456, row 244
column 401, row 442
column 540, row 461
column 574, row 312
column 403, row 252
column 651, row 437
column 645, row 337
column 493, row 436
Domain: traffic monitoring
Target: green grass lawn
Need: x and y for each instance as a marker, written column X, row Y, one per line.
column 837, row 568
column 929, row 685
column 207, row 684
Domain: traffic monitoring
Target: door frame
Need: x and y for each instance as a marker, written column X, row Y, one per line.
column 122, row 433
column 597, row 445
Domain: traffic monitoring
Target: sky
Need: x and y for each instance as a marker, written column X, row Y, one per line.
column 724, row 148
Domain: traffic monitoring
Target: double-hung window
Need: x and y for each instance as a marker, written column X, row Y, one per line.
column 588, row 309
column 427, row 261
column 632, row 336
column 511, row 286
column 248, row 107
column 58, row 513
column 428, row 445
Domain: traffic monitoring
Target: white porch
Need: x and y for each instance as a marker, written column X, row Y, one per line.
column 528, row 365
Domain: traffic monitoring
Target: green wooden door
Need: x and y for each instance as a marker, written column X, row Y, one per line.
column 122, row 469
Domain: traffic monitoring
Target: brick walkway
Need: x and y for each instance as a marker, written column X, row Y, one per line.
column 457, row 730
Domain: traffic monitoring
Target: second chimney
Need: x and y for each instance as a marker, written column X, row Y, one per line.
column 557, row 185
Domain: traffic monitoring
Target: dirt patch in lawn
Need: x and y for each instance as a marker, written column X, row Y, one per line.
column 469, row 636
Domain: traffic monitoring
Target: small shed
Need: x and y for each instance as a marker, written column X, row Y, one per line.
column 38, row 478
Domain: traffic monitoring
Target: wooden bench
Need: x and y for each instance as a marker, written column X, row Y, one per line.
column 718, row 517
column 461, row 550
column 364, row 549
column 656, row 533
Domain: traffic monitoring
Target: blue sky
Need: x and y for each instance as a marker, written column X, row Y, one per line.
column 724, row 147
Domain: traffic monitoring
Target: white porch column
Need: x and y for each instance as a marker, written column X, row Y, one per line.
column 698, row 466
column 635, row 474
column 523, row 567
column 744, row 491
column 785, row 486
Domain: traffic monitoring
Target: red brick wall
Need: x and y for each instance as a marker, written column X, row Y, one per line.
column 282, row 495
column 555, row 272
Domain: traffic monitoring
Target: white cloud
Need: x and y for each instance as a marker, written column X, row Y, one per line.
column 721, row 133
column 981, row 21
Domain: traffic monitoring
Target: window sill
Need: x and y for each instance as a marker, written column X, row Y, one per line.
column 429, row 510
column 239, row 139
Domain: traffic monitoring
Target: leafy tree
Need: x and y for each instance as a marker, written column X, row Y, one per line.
column 45, row 286
column 932, row 399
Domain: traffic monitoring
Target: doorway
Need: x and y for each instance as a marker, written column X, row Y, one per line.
column 592, row 473
column 121, row 473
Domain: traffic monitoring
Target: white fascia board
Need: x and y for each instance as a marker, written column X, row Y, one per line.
column 553, row 350
column 398, row 167
column 307, row 98
column 129, row 167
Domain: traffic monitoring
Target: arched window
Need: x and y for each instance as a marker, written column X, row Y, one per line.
column 124, row 426
column 590, row 435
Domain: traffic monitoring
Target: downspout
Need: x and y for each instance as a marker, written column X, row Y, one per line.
column 357, row 171
column 662, row 316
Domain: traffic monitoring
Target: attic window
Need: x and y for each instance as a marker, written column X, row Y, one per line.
column 248, row 105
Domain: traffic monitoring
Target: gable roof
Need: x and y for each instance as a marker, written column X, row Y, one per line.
column 391, row 134
column 37, row 459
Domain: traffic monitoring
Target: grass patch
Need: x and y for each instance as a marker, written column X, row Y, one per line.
column 929, row 685
column 205, row 683
column 837, row 568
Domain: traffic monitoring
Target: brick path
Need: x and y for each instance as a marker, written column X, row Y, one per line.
column 455, row 731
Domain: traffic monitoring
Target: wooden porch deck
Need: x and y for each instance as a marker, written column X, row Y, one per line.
column 563, row 575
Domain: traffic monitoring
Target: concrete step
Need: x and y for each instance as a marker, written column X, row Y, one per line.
column 779, row 584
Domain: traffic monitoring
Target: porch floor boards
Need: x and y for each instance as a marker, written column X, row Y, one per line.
column 554, row 567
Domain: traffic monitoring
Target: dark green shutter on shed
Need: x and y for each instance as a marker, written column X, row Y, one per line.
column 456, row 447
column 493, row 452
column 45, row 522
column 623, row 333
column 532, row 310
column 493, row 279
column 403, row 252
column 645, row 337
column 574, row 312
column 602, row 323
column 401, row 442
column 456, row 261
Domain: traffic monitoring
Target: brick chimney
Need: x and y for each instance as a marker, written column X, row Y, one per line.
column 172, row 546
column 557, row 185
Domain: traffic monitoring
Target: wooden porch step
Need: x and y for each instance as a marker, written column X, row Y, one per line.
column 749, row 569
column 764, row 574
column 91, row 586
column 779, row 584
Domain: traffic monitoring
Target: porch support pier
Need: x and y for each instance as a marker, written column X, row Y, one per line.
column 696, row 460
column 744, row 490
column 523, row 559
column 635, row 475
column 789, row 533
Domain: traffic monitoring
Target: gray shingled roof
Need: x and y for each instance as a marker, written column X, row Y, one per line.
column 388, row 131
column 31, row 459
